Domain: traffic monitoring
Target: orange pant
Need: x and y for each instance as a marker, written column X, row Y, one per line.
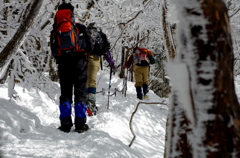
column 141, row 75
column 93, row 68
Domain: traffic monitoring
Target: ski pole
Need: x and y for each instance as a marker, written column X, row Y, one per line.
column 101, row 62
column 125, row 89
column 109, row 86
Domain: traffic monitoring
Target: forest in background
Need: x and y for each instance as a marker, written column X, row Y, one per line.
column 148, row 23
column 26, row 58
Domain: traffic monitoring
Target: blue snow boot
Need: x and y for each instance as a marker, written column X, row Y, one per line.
column 80, row 117
column 139, row 93
column 65, row 117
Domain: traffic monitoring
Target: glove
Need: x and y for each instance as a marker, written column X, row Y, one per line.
column 111, row 65
column 114, row 68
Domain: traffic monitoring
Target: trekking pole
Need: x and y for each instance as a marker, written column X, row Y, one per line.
column 101, row 62
column 125, row 89
column 122, row 75
column 109, row 86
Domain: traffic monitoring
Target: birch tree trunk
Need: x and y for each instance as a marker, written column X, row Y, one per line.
column 212, row 122
column 18, row 38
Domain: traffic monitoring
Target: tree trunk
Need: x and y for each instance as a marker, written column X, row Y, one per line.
column 223, row 132
column 16, row 41
column 53, row 74
column 5, row 15
column 213, row 112
column 177, row 137
column 168, row 33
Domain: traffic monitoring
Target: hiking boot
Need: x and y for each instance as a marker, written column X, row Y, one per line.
column 146, row 96
column 81, row 130
column 91, row 104
column 64, row 129
column 89, row 112
column 139, row 93
column 145, row 89
column 92, row 109
column 140, row 98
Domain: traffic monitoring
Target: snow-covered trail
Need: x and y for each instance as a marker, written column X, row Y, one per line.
column 28, row 126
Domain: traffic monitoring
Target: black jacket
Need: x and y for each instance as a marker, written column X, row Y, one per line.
column 106, row 45
column 89, row 44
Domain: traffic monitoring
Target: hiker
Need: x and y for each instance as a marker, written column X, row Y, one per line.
column 71, row 57
column 101, row 48
column 141, row 59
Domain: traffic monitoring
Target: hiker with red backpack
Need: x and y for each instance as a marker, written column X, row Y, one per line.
column 141, row 59
column 70, row 44
column 101, row 48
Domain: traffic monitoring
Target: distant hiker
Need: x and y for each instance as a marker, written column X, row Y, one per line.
column 141, row 59
column 70, row 52
column 101, row 48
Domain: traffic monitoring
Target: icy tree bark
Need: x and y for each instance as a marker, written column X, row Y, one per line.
column 17, row 39
column 212, row 122
column 178, row 131
column 222, row 132
column 168, row 33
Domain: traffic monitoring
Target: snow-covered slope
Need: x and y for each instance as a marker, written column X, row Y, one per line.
column 28, row 125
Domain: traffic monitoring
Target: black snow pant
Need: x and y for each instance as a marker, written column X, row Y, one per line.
column 72, row 71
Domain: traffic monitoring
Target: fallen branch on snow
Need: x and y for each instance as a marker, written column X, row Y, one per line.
column 130, row 122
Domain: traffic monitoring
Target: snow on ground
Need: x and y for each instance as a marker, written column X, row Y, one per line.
column 28, row 125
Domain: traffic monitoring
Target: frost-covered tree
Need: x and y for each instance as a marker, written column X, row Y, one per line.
column 126, row 23
column 28, row 16
column 234, row 14
column 205, row 113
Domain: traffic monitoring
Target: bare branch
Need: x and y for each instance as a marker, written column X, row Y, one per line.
column 235, row 12
column 130, row 122
column 18, row 38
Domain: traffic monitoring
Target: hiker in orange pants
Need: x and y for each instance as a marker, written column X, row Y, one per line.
column 141, row 59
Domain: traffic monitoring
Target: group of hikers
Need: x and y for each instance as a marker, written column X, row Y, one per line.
column 78, row 49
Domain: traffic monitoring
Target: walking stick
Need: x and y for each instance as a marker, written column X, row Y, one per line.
column 125, row 84
column 109, row 86
column 101, row 62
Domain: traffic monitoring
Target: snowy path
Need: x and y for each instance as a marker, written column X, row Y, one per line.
column 28, row 128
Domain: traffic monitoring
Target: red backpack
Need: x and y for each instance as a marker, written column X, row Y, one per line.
column 140, row 57
column 65, row 35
